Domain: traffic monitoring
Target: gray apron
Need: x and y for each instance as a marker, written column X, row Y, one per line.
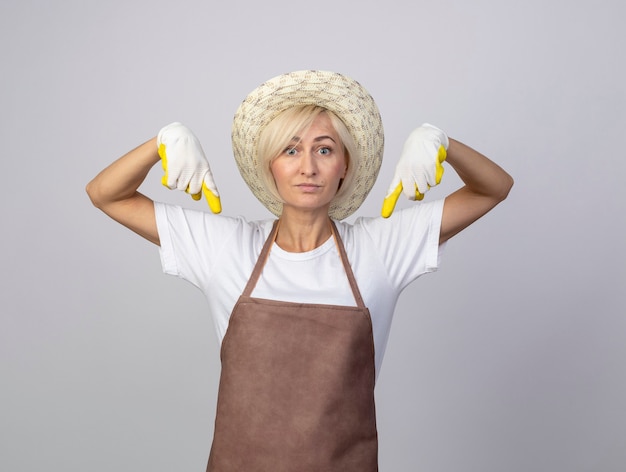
column 296, row 390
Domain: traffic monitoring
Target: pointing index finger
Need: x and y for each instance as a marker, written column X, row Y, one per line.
column 390, row 201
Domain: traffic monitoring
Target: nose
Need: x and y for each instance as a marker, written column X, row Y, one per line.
column 308, row 164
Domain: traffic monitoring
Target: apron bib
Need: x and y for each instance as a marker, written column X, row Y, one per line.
column 296, row 389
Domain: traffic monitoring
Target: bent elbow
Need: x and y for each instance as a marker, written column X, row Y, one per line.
column 92, row 193
column 507, row 185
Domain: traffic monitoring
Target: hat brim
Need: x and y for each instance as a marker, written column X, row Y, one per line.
column 340, row 94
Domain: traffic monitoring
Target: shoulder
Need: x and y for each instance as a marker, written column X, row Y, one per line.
column 225, row 228
column 420, row 215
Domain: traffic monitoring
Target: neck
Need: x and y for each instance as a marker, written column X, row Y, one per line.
column 302, row 232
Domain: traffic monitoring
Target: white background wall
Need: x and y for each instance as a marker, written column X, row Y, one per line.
column 511, row 358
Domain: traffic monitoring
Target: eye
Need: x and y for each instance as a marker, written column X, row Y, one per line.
column 324, row 151
column 291, row 151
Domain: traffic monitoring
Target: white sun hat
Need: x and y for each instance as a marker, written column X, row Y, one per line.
column 340, row 94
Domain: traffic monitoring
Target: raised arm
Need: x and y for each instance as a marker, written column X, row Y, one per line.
column 114, row 190
column 420, row 168
column 486, row 185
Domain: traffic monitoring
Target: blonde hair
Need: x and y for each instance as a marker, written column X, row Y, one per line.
column 279, row 132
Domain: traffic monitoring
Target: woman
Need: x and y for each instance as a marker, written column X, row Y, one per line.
column 303, row 331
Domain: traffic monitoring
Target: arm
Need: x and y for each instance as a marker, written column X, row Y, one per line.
column 114, row 191
column 486, row 185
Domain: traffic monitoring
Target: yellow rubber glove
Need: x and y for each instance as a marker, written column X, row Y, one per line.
column 419, row 167
column 185, row 165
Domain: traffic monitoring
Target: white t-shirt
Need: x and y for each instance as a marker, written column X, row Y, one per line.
column 217, row 254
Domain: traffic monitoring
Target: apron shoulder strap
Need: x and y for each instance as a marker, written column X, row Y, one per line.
column 258, row 268
column 346, row 265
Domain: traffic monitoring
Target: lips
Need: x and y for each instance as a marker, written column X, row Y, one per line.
column 308, row 187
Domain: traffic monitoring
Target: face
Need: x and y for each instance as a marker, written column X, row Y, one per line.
column 308, row 172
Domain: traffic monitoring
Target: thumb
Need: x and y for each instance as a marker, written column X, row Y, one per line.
column 163, row 156
column 441, row 156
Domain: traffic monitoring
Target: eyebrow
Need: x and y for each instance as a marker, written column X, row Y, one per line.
column 297, row 139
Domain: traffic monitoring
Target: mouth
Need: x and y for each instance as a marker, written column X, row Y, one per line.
column 307, row 187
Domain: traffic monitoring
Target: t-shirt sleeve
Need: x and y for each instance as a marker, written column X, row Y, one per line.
column 407, row 243
column 166, row 250
column 190, row 241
